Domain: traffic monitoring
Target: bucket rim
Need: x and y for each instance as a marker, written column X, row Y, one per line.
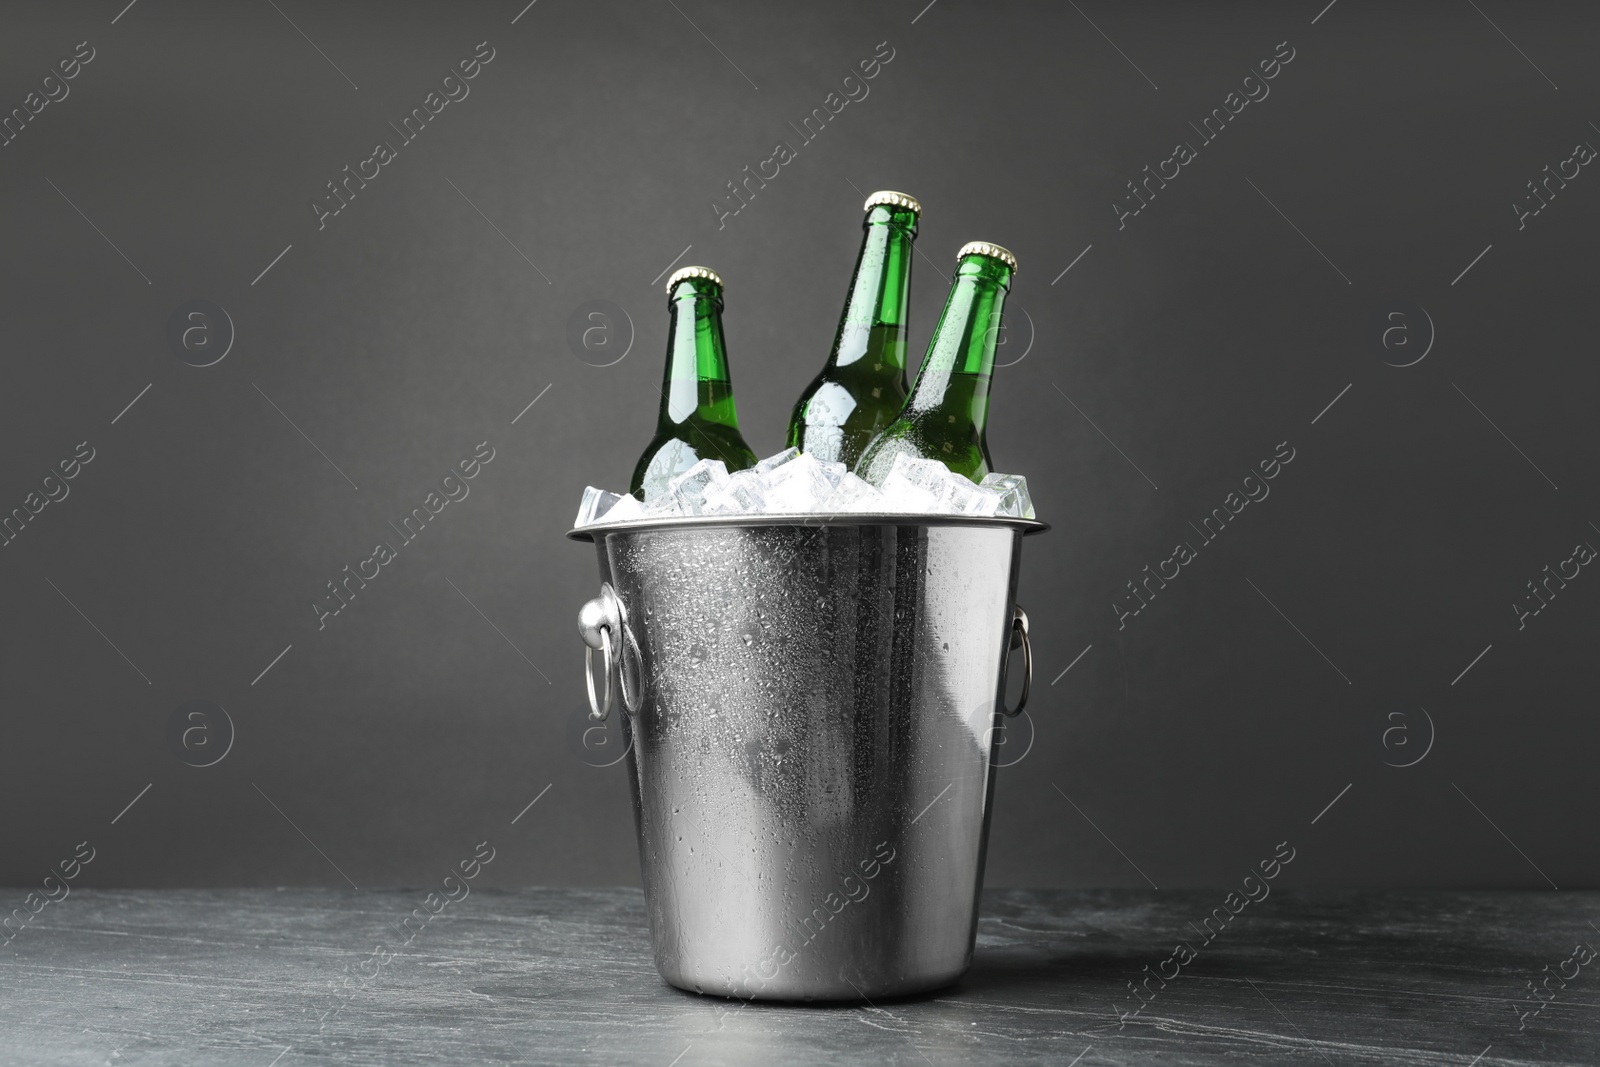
column 1027, row 527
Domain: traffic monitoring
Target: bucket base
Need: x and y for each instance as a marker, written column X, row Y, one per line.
column 811, row 991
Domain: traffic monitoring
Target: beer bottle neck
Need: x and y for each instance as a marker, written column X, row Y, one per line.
column 696, row 383
column 879, row 292
column 955, row 373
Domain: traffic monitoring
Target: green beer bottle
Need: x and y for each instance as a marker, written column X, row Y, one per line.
column 946, row 414
column 697, row 418
column 861, row 388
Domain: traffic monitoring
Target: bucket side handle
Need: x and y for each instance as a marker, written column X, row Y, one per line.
column 599, row 621
column 1019, row 637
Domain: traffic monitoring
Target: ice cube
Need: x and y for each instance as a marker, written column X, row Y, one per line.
column 854, row 495
column 952, row 493
column 671, row 460
column 687, row 491
column 927, row 474
column 799, row 485
column 663, row 505
column 773, row 462
column 834, row 472
column 886, row 455
column 626, row 509
column 741, row 493
column 968, row 499
column 907, row 487
column 596, row 502
column 900, row 495
column 1013, row 492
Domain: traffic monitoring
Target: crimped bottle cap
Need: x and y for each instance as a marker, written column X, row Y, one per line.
column 695, row 272
column 984, row 248
column 893, row 199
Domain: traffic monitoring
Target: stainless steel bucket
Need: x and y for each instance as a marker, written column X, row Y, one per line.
column 809, row 707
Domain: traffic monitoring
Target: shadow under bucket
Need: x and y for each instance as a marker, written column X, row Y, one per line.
column 810, row 706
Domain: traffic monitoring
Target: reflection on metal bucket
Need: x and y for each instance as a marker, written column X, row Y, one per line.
column 810, row 765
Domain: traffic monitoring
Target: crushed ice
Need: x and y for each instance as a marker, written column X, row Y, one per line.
column 796, row 483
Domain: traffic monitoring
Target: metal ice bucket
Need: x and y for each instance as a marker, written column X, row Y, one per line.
column 809, row 707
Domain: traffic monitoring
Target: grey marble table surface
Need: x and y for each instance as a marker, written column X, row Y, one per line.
column 280, row 978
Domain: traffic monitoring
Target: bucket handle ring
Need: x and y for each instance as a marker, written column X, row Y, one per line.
column 1019, row 636
column 602, row 623
column 597, row 710
column 598, row 622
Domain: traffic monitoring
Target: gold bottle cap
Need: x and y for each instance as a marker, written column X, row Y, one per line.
column 893, row 199
column 984, row 248
column 693, row 272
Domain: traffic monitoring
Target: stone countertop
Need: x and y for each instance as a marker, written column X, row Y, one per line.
column 564, row 976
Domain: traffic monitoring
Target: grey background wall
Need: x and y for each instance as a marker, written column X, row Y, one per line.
column 1358, row 618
